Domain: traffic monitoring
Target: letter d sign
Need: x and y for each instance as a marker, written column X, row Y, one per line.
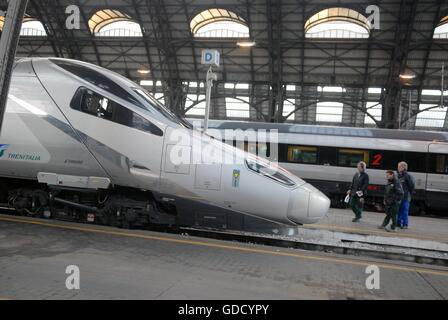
column 210, row 57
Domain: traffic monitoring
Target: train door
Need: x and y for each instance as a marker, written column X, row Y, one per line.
column 437, row 177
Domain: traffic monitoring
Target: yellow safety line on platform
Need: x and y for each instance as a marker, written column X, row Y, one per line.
column 231, row 247
column 371, row 232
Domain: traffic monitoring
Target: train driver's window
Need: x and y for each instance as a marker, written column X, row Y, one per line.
column 91, row 103
column 94, row 104
column 299, row 154
column 350, row 158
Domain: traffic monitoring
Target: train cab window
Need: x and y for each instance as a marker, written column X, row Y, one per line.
column 439, row 163
column 299, row 154
column 96, row 105
column 351, row 158
column 97, row 78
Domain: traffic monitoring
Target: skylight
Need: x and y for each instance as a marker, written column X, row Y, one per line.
column 160, row 97
column 113, row 23
column 199, row 108
column 33, row 28
column 289, row 107
column 148, row 83
column 338, row 23
column 428, row 92
column 441, row 32
column 237, row 108
column 329, row 112
column 375, row 90
column 331, row 89
column 219, row 23
column 30, row 27
column 432, row 117
column 375, row 109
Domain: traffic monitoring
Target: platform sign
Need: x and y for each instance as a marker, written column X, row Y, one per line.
column 210, row 57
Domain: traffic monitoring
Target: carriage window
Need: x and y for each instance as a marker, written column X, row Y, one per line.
column 392, row 158
column 351, row 158
column 440, row 165
column 96, row 105
column 416, row 161
column 307, row 155
column 328, row 156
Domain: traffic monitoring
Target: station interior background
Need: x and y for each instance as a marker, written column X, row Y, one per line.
column 309, row 62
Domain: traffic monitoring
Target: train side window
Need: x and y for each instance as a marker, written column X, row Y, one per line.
column 351, row 158
column 299, row 154
column 89, row 102
column 328, row 156
column 391, row 159
column 416, row 161
column 439, row 163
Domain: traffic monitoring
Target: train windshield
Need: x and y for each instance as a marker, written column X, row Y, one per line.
column 162, row 109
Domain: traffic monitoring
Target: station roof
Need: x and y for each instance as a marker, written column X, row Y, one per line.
column 307, row 44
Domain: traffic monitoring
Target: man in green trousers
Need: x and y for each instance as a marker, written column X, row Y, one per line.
column 358, row 190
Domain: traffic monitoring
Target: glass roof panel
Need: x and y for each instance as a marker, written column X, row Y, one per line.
column 441, row 32
column 113, row 23
column 338, row 23
column 219, row 23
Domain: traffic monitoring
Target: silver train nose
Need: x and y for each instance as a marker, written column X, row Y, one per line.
column 307, row 205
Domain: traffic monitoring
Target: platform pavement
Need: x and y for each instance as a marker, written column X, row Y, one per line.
column 139, row 264
column 420, row 227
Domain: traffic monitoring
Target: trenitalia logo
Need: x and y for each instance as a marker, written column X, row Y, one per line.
column 3, row 148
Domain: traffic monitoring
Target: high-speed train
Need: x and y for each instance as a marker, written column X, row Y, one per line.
column 326, row 157
column 79, row 142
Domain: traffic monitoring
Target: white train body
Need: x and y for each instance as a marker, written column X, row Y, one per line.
column 74, row 125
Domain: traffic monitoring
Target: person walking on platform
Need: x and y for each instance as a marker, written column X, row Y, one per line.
column 358, row 190
column 408, row 185
column 393, row 193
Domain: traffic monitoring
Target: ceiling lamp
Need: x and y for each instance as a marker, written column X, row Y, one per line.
column 246, row 44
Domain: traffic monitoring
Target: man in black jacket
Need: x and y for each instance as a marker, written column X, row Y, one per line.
column 358, row 190
column 393, row 193
column 408, row 185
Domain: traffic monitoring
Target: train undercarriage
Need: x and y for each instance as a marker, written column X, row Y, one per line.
column 120, row 207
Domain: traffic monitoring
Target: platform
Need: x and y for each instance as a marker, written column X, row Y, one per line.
column 421, row 228
column 123, row 264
